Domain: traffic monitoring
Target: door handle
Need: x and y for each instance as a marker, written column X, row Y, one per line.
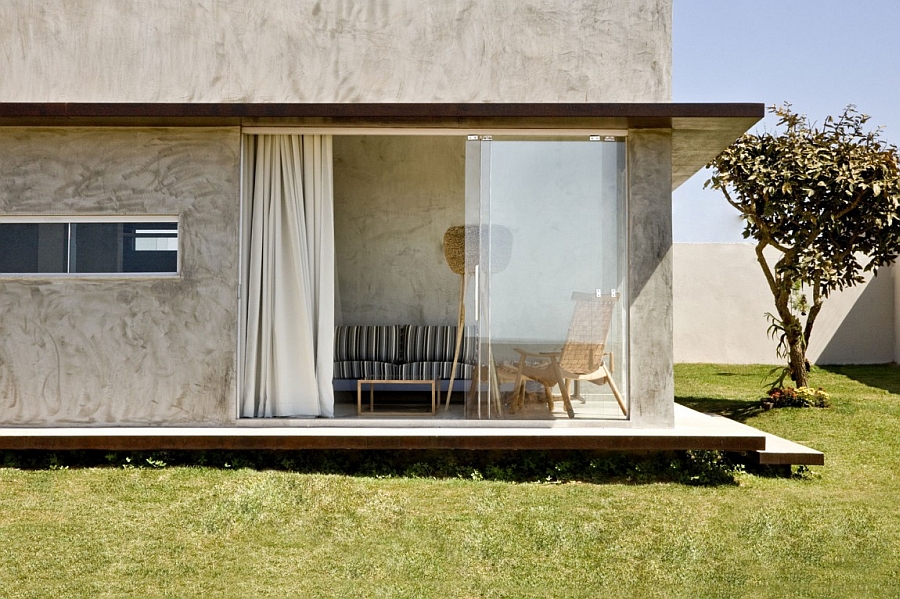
column 477, row 294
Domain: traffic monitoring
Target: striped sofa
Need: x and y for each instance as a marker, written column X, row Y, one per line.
column 400, row 352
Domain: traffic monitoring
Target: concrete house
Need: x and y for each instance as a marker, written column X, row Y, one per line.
column 217, row 216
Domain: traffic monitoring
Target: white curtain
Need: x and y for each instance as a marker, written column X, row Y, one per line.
column 289, row 277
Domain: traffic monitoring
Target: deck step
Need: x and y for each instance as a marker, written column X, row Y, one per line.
column 780, row 452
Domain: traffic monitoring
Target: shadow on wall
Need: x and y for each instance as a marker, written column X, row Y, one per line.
column 882, row 376
column 865, row 333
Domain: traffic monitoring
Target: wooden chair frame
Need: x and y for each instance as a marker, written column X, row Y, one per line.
column 581, row 358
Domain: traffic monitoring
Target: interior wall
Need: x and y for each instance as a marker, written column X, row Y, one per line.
column 394, row 196
column 346, row 51
column 721, row 298
column 112, row 349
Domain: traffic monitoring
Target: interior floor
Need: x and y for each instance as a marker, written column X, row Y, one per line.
column 417, row 404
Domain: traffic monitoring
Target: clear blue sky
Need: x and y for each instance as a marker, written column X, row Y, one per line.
column 819, row 55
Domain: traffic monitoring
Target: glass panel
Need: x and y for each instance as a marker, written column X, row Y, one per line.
column 96, row 247
column 150, row 247
column 477, row 187
column 124, row 247
column 552, row 215
column 33, row 247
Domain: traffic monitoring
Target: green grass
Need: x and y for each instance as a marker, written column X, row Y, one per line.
column 239, row 532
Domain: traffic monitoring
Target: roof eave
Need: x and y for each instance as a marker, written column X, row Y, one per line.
column 700, row 130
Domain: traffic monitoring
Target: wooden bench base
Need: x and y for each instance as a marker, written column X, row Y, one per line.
column 372, row 383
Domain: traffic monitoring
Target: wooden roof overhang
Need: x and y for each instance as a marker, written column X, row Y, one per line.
column 699, row 130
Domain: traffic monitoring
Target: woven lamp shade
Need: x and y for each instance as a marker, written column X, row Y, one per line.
column 461, row 247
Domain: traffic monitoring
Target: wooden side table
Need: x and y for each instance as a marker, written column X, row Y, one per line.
column 372, row 383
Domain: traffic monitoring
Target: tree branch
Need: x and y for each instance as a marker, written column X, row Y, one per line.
column 767, row 271
column 730, row 201
column 813, row 310
column 766, row 231
column 853, row 204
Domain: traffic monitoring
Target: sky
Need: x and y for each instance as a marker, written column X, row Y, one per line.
column 819, row 55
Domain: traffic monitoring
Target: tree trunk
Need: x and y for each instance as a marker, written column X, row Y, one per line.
column 798, row 365
column 782, row 285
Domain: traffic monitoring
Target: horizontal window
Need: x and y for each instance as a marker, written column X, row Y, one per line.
column 32, row 247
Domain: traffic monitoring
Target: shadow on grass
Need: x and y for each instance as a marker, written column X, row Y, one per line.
column 740, row 410
column 706, row 468
column 879, row 376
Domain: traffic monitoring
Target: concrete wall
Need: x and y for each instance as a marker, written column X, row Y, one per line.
column 123, row 350
column 335, row 51
column 895, row 271
column 721, row 298
column 394, row 198
column 650, row 278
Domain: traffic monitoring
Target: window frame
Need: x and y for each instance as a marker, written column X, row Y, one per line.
column 73, row 219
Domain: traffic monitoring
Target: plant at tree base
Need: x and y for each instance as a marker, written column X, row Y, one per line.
column 803, row 397
column 823, row 204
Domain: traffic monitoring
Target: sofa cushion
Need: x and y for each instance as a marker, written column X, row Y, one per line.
column 429, row 371
column 436, row 344
column 360, row 369
column 368, row 344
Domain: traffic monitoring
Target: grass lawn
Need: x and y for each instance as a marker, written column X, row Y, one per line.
column 237, row 532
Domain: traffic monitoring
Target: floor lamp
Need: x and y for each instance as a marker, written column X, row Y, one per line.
column 462, row 253
column 455, row 255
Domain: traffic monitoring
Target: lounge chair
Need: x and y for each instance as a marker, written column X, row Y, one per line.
column 581, row 358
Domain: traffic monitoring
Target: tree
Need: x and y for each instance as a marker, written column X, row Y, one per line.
column 822, row 204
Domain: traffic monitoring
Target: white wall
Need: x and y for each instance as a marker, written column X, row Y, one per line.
column 896, row 272
column 335, row 51
column 721, row 297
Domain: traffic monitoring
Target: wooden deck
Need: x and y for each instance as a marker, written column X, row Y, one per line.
column 779, row 451
column 692, row 430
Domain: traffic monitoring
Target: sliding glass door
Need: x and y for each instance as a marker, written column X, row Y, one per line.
column 548, row 305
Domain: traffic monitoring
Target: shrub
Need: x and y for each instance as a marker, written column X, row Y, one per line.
column 802, row 397
column 560, row 466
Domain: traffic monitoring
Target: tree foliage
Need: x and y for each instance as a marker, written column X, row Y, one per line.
column 825, row 201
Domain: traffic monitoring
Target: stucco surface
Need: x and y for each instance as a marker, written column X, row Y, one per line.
column 81, row 350
column 721, row 298
column 650, row 277
column 394, row 198
column 335, row 51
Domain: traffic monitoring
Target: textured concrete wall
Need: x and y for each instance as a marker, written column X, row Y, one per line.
column 650, row 277
column 335, row 51
column 123, row 350
column 394, row 198
column 721, row 298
